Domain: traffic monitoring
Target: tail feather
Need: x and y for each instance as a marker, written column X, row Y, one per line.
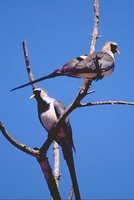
column 70, row 162
column 52, row 75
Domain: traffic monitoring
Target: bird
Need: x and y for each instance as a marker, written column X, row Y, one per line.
column 49, row 111
column 93, row 66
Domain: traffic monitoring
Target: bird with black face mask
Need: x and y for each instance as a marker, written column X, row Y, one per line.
column 49, row 111
column 85, row 66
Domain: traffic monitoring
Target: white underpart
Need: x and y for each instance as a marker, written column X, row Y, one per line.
column 49, row 117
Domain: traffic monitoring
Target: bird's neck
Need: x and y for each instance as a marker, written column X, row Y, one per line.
column 109, row 53
column 43, row 106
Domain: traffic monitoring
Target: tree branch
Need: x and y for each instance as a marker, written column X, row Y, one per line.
column 97, row 103
column 42, row 160
column 56, row 146
column 95, row 28
column 17, row 144
column 47, row 171
column 84, row 88
column 56, row 162
column 28, row 67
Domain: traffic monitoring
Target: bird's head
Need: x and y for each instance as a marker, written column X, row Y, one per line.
column 39, row 93
column 110, row 47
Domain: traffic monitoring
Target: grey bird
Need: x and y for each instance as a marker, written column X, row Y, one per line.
column 91, row 66
column 49, row 111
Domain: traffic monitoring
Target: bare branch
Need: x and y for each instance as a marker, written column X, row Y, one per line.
column 42, row 160
column 17, row 144
column 56, row 162
column 28, row 67
column 97, row 103
column 47, row 171
column 95, row 35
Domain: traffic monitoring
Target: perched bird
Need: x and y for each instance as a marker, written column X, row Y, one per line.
column 49, row 111
column 93, row 66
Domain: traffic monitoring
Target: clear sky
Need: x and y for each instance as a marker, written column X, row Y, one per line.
column 56, row 32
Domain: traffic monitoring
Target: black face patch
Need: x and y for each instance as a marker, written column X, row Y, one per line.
column 37, row 93
column 113, row 47
column 43, row 106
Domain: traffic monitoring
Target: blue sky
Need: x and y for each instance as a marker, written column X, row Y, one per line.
column 56, row 32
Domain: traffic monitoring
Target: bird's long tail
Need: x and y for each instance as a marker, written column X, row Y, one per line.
column 68, row 156
column 52, row 75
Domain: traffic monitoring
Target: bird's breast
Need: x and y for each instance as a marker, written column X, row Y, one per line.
column 48, row 118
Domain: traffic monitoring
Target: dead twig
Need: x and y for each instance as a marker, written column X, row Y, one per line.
column 100, row 103
column 28, row 66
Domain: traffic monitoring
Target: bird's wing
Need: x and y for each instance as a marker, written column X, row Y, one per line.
column 86, row 64
column 67, row 147
column 80, row 63
column 59, row 110
column 75, row 61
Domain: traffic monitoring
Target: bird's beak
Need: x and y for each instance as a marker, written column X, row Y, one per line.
column 117, row 51
column 32, row 96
